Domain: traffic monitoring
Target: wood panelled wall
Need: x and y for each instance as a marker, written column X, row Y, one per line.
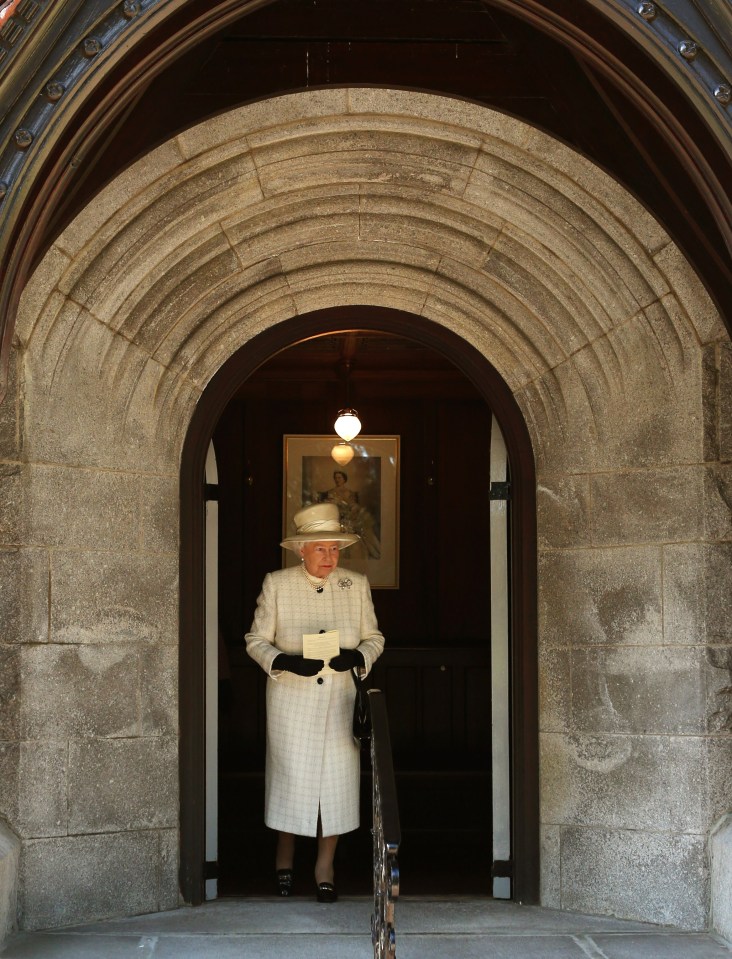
column 444, row 586
column 436, row 667
column 435, row 670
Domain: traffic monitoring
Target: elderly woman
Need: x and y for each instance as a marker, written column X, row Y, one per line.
column 313, row 768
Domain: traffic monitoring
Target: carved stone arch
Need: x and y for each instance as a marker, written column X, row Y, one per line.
column 72, row 71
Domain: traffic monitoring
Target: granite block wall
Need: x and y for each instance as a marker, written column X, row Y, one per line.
column 635, row 639
column 88, row 674
column 616, row 357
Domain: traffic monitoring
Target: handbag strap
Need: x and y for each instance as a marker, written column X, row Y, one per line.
column 357, row 681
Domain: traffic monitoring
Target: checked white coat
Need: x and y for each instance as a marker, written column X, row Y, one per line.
column 312, row 761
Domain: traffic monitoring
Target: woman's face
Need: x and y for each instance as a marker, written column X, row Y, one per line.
column 321, row 558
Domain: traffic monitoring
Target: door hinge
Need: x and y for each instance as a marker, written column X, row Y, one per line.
column 500, row 491
column 210, row 491
column 502, row 868
column 211, row 869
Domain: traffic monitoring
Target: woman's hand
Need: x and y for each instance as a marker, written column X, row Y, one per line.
column 346, row 659
column 298, row 664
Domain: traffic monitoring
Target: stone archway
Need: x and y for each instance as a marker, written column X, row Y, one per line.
column 540, row 263
column 523, row 693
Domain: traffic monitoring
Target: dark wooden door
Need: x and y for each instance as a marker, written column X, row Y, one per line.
column 439, row 721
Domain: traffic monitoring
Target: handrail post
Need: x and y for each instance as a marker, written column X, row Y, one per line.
column 386, row 831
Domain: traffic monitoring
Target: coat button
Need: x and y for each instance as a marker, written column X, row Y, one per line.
column 320, row 680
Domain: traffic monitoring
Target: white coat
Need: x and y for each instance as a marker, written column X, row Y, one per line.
column 312, row 761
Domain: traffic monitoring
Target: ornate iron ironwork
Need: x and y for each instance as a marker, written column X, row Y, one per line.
column 386, row 832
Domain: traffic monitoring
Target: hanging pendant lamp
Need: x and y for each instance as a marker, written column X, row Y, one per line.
column 347, row 425
column 342, row 453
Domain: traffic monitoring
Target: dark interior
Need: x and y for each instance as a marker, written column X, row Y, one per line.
column 436, row 667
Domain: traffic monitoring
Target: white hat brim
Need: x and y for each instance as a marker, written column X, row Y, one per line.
column 322, row 536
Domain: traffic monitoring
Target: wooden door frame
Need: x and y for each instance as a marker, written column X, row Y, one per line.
column 524, row 675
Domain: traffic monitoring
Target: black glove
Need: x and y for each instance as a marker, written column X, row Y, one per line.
column 297, row 664
column 347, row 659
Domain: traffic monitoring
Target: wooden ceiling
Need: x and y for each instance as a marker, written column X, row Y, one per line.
column 357, row 366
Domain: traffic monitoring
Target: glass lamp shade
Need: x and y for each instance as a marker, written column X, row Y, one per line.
column 342, row 453
column 348, row 424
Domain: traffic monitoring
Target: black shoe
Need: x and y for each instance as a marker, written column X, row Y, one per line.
column 285, row 879
column 325, row 892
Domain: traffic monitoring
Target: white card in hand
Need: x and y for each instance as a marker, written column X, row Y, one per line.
column 321, row 646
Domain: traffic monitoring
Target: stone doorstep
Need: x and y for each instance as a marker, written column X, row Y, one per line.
column 426, row 929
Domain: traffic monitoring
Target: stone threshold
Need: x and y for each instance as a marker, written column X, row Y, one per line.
column 427, row 928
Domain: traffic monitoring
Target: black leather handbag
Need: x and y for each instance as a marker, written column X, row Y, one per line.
column 361, row 713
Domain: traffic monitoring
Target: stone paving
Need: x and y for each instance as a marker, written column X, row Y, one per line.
column 426, row 929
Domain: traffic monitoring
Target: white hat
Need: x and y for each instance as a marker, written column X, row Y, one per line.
column 319, row 523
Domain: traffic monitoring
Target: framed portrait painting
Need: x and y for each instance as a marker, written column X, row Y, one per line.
column 366, row 491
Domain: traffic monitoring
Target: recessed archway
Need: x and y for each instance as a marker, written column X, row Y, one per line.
column 46, row 185
column 482, row 230
column 523, row 571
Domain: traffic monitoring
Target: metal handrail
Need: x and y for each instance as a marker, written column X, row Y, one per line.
column 386, row 831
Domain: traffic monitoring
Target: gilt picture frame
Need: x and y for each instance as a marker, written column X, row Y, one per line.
column 366, row 491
